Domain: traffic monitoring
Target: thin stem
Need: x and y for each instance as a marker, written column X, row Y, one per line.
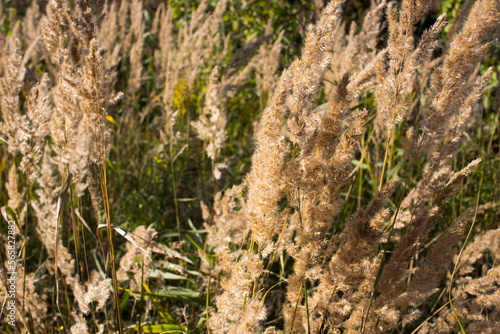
column 104, row 190
column 276, row 248
column 385, row 162
column 429, row 318
column 391, row 226
column 28, row 185
column 208, row 301
column 307, row 308
column 295, row 309
column 460, row 256
column 174, row 186
column 75, row 233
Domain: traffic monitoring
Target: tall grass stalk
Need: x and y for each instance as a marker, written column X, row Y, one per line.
column 353, row 202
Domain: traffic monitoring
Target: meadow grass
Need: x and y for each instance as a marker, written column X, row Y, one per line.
column 250, row 167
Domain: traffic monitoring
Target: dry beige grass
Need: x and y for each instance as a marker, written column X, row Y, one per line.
column 283, row 252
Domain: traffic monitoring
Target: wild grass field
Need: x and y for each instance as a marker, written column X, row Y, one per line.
column 249, row 166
